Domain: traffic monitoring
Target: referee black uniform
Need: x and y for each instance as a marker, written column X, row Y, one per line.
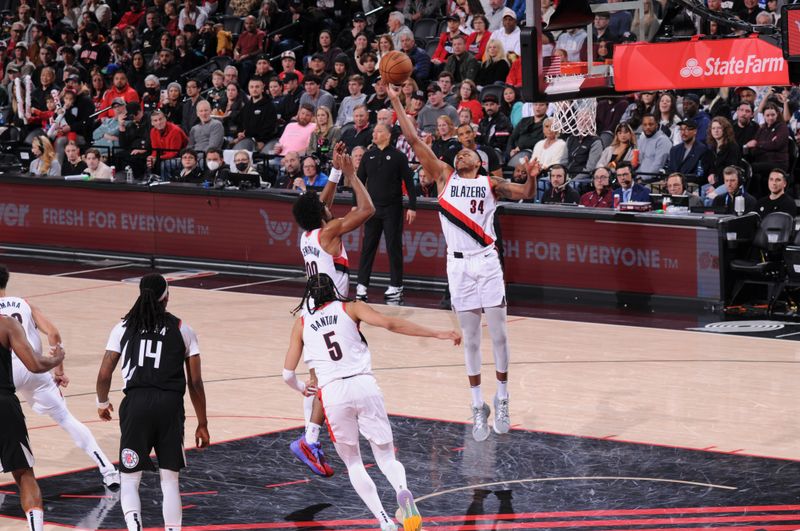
column 383, row 171
column 151, row 415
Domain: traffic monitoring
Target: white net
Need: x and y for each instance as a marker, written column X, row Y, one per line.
column 576, row 117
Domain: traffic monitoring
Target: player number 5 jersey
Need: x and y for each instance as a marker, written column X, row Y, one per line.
column 332, row 344
column 318, row 260
column 466, row 210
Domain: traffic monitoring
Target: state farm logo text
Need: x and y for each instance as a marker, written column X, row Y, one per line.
column 718, row 66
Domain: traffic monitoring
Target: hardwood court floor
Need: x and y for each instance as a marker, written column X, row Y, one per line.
column 666, row 387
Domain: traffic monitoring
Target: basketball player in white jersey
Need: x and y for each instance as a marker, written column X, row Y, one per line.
column 41, row 390
column 327, row 335
column 323, row 252
column 467, row 203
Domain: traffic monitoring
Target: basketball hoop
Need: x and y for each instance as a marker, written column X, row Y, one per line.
column 572, row 117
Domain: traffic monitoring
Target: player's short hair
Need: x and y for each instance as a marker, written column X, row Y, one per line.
column 308, row 211
column 3, row 276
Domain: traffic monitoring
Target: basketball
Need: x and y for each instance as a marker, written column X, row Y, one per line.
column 395, row 67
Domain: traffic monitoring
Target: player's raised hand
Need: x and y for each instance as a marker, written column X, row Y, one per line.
column 339, row 149
column 453, row 335
column 394, row 92
column 201, row 437
column 347, row 165
column 533, row 167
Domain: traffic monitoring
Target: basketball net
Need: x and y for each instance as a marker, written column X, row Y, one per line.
column 572, row 117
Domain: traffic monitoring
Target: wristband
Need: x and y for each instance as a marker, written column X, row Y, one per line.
column 335, row 175
column 102, row 405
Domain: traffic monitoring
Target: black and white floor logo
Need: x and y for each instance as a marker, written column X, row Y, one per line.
column 763, row 328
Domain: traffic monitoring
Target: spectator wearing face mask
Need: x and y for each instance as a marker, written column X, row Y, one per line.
column 216, row 171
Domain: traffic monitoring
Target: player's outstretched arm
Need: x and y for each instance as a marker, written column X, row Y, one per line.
column 197, row 393
column 53, row 338
column 329, row 191
column 514, row 191
column 434, row 168
column 360, row 311
column 24, row 351
column 364, row 208
column 104, row 407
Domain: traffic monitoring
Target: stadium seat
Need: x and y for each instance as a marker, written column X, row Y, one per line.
column 430, row 47
column 516, row 159
column 739, row 231
column 606, row 137
column 496, row 89
column 232, row 23
column 425, row 28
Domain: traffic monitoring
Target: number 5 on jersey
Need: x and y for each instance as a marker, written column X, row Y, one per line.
column 146, row 351
column 334, row 349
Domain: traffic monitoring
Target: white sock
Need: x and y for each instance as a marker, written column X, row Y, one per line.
column 502, row 389
column 83, row 439
column 312, row 432
column 308, row 407
column 393, row 469
column 35, row 518
column 362, row 483
column 171, row 507
column 129, row 500
column 477, row 396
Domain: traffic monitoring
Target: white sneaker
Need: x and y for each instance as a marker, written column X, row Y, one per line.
column 393, row 295
column 111, row 479
column 361, row 292
column 480, row 423
column 502, row 418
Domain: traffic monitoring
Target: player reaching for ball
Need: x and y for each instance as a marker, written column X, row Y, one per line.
column 467, row 203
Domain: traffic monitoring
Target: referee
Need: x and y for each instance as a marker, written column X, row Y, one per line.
column 156, row 347
column 383, row 170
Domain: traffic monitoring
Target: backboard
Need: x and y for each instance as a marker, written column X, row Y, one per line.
column 580, row 73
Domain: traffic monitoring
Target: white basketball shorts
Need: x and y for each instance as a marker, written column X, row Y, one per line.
column 476, row 280
column 355, row 405
column 39, row 390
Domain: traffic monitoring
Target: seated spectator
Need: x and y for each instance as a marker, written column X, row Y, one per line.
column 528, row 131
column 509, row 35
column 479, row 38
column 435, row 107
column 668, row 117
column 653, row 147
column 190, row 171
column 291, row 169
column 397, row 27
column 769, row 149
column 166, row 141
column 355, row 85
column 489, row 159
column 445, row 144
column 312, row 176
column 257, row 121
column 777, row 200
column 551, row 149
column 96, row 169
column 216, row 170
column 465, row 118
column 573, row 41
column 189, row 107
column 377, row 101
column 120, row 89
column 445, row 81
column 216, row 93
column 208, row 133
column 445, row 47
column 243, row 162
column 744, row 127
column 690, row 157
column 233, row 103
column 296, row 134
column 73, row 163
column 361, row 132
column 420, row 59
column 495, row 66
column 324, row 136
column 676, row 186
column 628, row 190
column 106, row 135
column 621, row 149
column 723, row 151
column 733, row 179
column 314, row 95
column 583, row 152
column 173, row 106
column 601, row 196
column 512, row 105
column 461, row 63
column 495, row 127
column 317, row 66
column 693, row 111
column 45, row 164
column 560, row 192
column 468, row 97
column 134, row 137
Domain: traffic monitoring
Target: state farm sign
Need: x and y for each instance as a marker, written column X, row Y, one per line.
column 698, row 64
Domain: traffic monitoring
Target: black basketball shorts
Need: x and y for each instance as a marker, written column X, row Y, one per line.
column 151, row 419
column 15, row 449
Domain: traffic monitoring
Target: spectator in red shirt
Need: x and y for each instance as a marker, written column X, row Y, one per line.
column 119, row 89
column 166, row 139
column 601, row 196
column 133, row 16
column 248, row 46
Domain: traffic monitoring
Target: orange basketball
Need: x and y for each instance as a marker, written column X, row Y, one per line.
column 395, row 67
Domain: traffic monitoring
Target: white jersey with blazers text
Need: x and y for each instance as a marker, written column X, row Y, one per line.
column 20, row 310
column 318, row 260
column 466, row 210
column 333, row 345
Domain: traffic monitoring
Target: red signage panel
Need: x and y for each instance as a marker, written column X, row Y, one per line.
column 697, row 64
column 576, row 253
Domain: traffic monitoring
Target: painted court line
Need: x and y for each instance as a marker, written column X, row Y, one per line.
column 223, row 288
column 119, row 266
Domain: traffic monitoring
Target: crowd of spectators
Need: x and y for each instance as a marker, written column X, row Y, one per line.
column 177, row 89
